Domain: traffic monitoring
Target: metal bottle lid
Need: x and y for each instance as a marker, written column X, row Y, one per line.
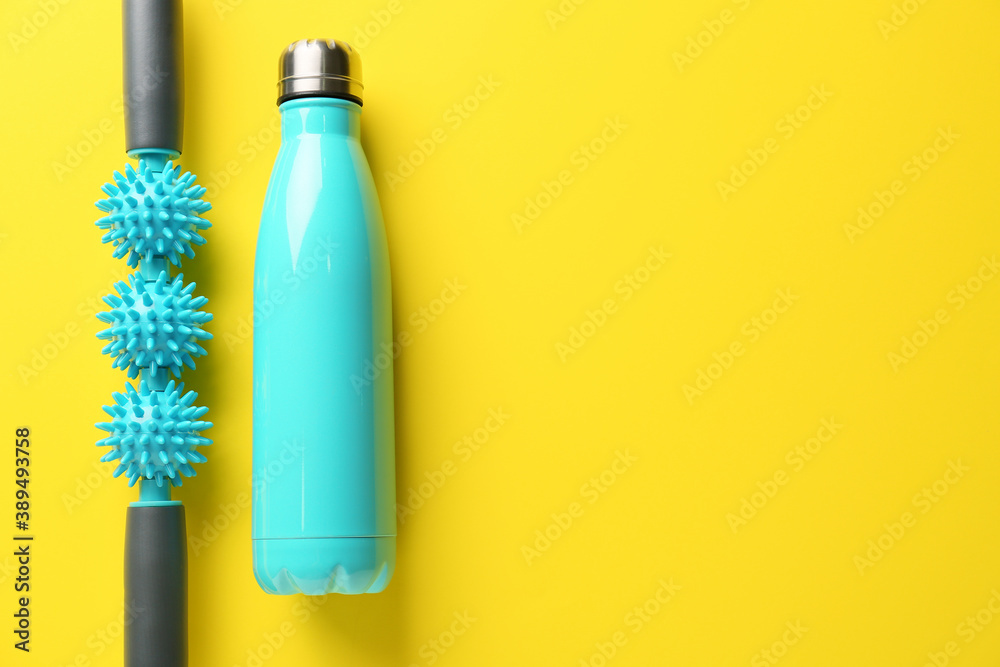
column 319, row 68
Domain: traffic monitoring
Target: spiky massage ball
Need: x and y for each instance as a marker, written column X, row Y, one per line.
column 154, row 324
column 153, row 214
column 153, row 434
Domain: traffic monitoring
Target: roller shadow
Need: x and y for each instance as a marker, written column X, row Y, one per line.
column 207, row 601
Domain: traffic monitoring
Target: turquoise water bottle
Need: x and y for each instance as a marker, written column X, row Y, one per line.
column 323, row 448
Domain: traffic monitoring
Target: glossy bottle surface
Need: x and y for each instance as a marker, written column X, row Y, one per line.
column 323, row 447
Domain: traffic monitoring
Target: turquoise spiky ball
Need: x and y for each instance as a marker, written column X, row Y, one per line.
column 154, row 324
column 153, row 214
column 154, row 434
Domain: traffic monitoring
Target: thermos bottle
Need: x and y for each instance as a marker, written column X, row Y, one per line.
column 323, row 498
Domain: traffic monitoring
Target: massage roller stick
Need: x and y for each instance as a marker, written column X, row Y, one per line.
column 153, row 220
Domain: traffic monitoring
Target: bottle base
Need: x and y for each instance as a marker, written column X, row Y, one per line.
column 322, row 565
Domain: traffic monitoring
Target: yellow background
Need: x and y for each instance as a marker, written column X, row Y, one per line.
column 665, row 517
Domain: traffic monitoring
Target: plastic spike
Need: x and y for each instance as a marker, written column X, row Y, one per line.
column 156, row 325
column 147, row 439
column 164, row 206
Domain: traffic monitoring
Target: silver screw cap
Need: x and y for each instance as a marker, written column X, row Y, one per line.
column 319, row 68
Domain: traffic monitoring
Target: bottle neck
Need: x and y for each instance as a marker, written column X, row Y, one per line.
column 320, row 115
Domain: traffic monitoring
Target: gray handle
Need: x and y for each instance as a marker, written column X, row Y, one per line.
column 152, row 32
column 156, row 587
